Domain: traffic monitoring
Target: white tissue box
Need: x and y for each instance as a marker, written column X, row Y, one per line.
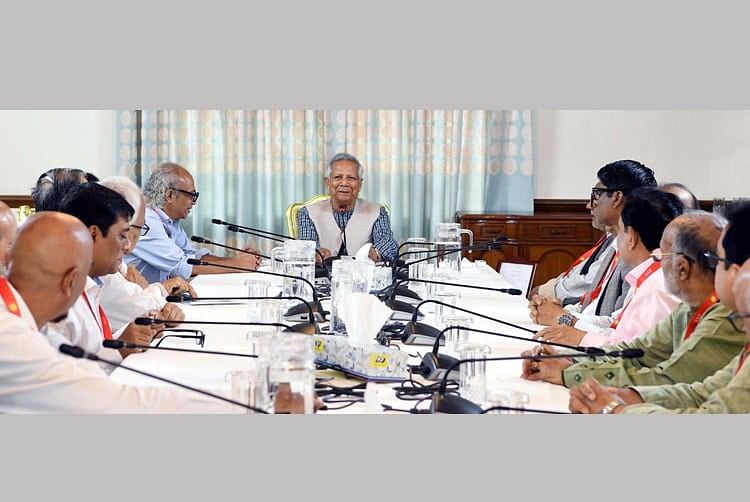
column 365, row 360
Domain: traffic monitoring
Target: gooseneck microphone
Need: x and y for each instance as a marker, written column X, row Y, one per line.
column 318, row 307
column 120, row 344
column 342, row 210
column 217, row 221
column 79, row 353
column 195, row 261
column 148, row 321
column 496, row 243
column 210, row 300
column 238, row 230
column 418, row 333
column 264, row 234
column 449, row 403
column 202, row 240
column 509, row 291
column 434, row 365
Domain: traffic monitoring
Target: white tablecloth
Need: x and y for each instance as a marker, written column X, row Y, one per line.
column 209, row 371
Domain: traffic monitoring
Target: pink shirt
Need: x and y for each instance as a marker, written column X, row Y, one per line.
column 645, row 306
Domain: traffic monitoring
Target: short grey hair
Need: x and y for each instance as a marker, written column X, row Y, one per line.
column 697, row 232
column 162, row 179
column 344, row 156
column 128, row 189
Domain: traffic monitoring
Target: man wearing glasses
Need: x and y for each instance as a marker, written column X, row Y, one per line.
column 608, row 289
column 164, row 250
column 692, row 343
column 727, row 390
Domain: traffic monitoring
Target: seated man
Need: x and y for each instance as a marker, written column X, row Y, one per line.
column 646, row 214
column 107, row 216
column 164, row 251
column 727, row 390
column 615, row 181
column 124, row 300
column 689, row 200
column 328, row 221
column 7, row 233
column 571, row 285
column 692, row 343
column 42, row 284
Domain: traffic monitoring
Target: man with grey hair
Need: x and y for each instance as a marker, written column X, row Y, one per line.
column 163, row 252
column 343, row 224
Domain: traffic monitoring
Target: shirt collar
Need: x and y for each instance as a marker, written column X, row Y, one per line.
column 637, row 271
column 163, row 216
column 93, row 282
column 26, row 314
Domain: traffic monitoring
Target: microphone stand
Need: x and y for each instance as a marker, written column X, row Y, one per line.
column 414, row 330
column 202, row 240
column 291, row 311
column 120, row 344
column 79, row 353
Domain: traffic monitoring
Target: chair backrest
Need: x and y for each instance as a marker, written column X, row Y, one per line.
column 519, row 273
column 293, row 209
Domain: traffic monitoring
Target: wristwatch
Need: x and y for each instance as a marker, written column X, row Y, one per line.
column 566, row 319
column 610, row 408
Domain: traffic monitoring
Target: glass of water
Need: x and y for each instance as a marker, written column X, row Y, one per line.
column 472, row 382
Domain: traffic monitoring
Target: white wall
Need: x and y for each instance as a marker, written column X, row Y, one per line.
column 32, row 141
column 709, row 151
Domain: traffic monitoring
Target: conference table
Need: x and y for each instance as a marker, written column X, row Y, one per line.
column 209, row 372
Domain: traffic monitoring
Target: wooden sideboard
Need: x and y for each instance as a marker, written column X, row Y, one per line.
column 557, row 233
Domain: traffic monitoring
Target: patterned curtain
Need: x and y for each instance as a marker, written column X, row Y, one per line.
column 249, row 165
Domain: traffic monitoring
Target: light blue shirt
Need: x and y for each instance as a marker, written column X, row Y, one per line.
column 164, row 251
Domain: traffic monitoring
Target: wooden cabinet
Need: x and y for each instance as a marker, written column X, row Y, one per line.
column 557, row 233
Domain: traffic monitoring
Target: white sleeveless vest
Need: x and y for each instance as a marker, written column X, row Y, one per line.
column 358, row 229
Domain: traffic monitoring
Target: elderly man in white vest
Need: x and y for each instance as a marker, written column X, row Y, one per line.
column 343, row 224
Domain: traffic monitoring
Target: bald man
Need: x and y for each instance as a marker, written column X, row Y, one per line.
column 163, row 252
column 7, row 232
column 692, row 343
column 42, row 285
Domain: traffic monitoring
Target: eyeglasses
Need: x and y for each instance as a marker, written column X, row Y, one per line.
column 198, row 335
column 735, row 319
column 144, row 229
column 596, row 193
column 194, row 195
column 659, row 256
column 714, row 259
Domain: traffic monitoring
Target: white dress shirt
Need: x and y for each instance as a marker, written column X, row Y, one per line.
column 35, row 378
column 83, row 326
column 123, row 300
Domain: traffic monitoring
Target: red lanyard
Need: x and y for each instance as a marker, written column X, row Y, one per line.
column 711, row 300
column 641, row 279
column 106, row 329
column 8, row 297
column 592, row 295
column 743, row 357
column 585, row 256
